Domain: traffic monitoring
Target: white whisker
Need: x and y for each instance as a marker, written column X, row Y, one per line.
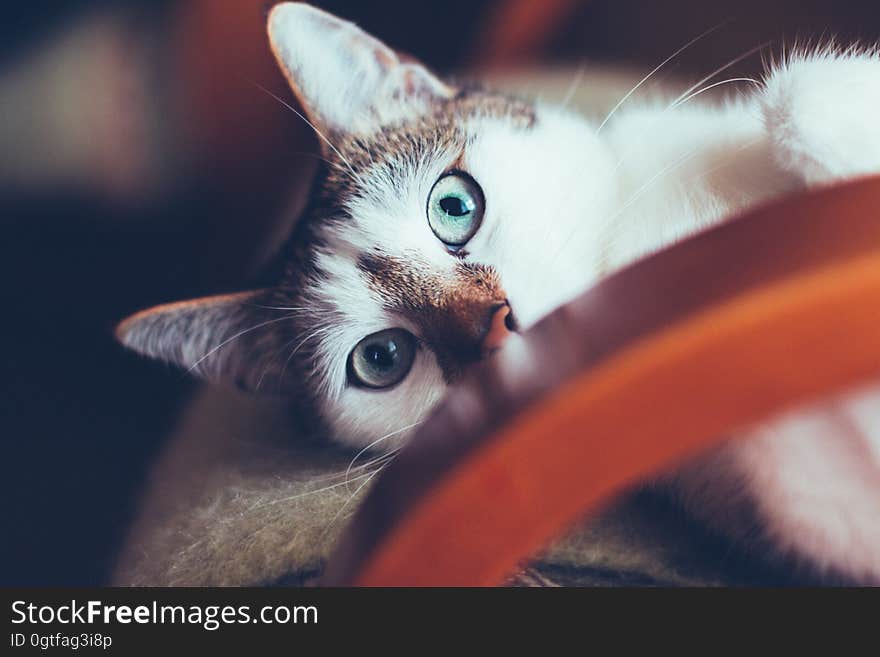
column 302, row 343
column 655, row 70
column 292, row 309
column 351, row 497
column 313, row 127
column 272, row 359
column 721, row 69
column 641, row 191
column 235, row 337
column 573, row 87
column 379, row 440
column 688, row 93
column 653, row 179
column 362, row 466
column 712, row 86
column 291, row 498
column 728, row 161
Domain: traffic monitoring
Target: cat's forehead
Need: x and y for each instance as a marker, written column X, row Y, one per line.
column 376, row 188
column 416, row 136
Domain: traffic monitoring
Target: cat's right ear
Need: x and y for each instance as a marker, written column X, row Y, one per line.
column 346, row 80
column 220, row 338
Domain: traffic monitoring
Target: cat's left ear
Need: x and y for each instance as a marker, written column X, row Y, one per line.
column 347, row 80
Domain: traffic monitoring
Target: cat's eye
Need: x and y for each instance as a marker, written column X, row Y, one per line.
column 455, row 209
column 382, row 359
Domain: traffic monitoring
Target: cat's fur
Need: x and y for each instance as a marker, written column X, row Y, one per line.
column 567, row 201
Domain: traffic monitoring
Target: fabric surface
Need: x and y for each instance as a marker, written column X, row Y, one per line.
column 237, row 499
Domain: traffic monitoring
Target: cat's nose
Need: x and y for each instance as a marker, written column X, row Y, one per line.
column 501, row 325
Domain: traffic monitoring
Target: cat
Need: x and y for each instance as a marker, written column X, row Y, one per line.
column 447, row 219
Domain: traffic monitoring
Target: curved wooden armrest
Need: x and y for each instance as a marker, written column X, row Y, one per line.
column 770, row 310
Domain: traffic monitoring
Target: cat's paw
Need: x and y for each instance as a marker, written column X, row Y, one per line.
column 822, row 112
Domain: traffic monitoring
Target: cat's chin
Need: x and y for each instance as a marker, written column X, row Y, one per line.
column 803, row 488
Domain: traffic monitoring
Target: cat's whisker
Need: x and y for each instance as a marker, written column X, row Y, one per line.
column 320, row 134
column 712, row 86
column 314, row 156
column 684, row 98
column 291, row 498
column 646, row 187
column 262, row 376
column 275, row 355
column 575, row 84
column 352, row 497
column 235, row 337
column 679, row 161
column 730, row 160
column 379, row 440
column 379, row 459
column 635, row 88
column 383, row 461
column 718, row 70
column 363, row 466
column 268, row 364
column 292, row 309
column 302, row 343
column 654, row 71
column 602, row 233
column 690, row 93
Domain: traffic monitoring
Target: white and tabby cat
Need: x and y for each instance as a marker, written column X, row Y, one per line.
column 448, row 218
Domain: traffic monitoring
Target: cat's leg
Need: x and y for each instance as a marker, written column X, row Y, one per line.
column 822, row 113
column 807, row 484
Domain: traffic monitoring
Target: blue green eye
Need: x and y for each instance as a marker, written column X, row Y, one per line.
column 382, row 359
column 455, row 209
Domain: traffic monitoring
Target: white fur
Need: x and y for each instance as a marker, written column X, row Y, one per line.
column 567, row 203
column 538, row 208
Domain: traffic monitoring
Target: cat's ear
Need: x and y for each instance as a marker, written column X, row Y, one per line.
column 345, row 79
column 217, row 337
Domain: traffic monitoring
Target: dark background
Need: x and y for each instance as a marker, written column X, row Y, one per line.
column 80, row 419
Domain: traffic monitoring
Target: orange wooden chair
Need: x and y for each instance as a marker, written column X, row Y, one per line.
column 653, row 364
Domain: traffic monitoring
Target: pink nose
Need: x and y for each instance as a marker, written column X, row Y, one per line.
column 499, row 329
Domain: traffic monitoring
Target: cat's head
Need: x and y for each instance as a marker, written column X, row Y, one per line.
column 444, row 220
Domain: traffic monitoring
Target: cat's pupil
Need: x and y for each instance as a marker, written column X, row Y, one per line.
column 454, row 206
column 381, row 356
